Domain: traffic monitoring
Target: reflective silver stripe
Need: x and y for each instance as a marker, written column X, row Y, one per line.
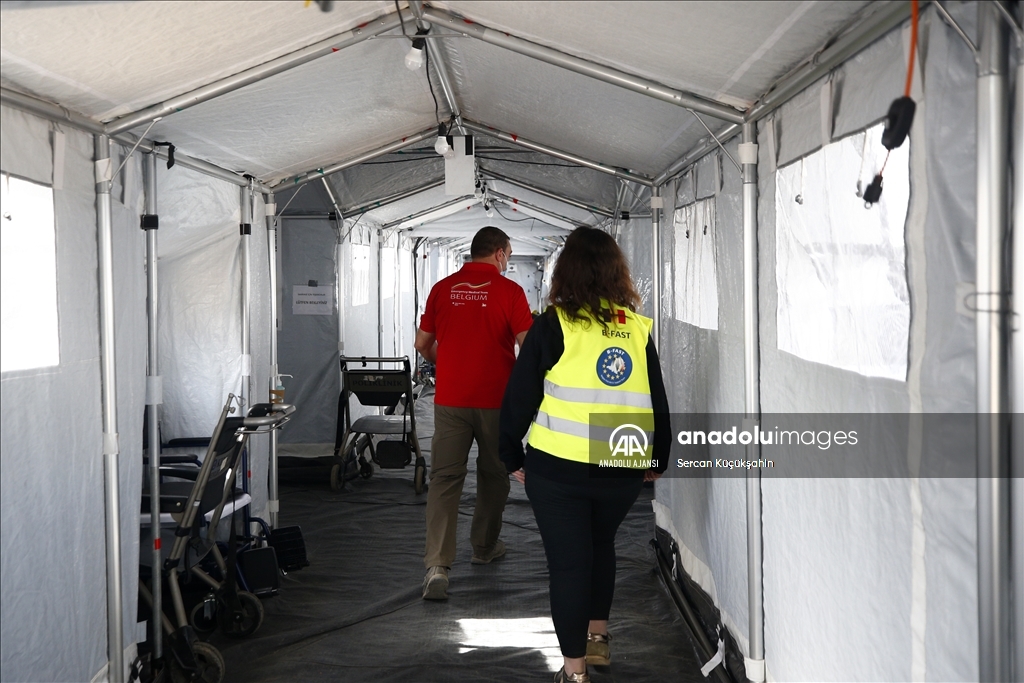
column 581, row 429
column 632, row 399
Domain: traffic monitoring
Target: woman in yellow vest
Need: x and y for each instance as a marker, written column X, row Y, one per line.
column 587, row 385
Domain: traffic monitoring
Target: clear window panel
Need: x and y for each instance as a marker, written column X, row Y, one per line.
column 841, row 266
column 29, row 336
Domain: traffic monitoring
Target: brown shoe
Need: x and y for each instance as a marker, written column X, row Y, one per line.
column 598, row 649
column 485, row 558
column 562, row 677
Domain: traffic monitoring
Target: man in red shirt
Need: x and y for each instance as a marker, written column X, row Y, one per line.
column 472, row 322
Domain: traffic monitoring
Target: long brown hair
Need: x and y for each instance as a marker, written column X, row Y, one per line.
column 591, row 267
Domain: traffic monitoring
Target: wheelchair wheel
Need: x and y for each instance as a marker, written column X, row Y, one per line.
column 201, row 623
column 247, row 620
column 337, row 481
column 419, row 478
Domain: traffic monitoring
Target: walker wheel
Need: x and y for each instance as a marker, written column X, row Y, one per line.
column 199, row 621
column 247, row 620
column 210, row 663
column 419, row 478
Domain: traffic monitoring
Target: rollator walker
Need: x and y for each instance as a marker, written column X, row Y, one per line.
column 390, row 389
column 212, row 487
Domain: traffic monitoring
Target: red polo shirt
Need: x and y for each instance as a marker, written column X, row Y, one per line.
column 475, row 314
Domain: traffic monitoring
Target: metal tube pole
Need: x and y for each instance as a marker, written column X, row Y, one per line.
column 886, row 17
column 993, row 462
column 656, row 261
column 154, row 398
column 254, row 74
column 274, row 500
column 696, row 154
column 551, row 151
column 391, row 199
column 600, row 211
column 339, row 287
column 594, row 70
column 424, row 212
column 440, row 61
column 317, row 173
column 245, row 229
column 53, row 112
column 112, row 506
column 752, row 403
column 512, row 201
column 1017, row 375
column 380, row 298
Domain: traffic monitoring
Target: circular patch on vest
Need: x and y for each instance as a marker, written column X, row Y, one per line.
column 614, row 366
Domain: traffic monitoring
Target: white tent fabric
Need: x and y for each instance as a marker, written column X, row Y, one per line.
column 895, row 558
column 52, row 483
column 200, row 257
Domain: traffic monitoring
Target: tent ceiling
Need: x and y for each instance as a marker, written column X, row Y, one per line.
column 106, row 59
column 729, row 51
column 66, row 54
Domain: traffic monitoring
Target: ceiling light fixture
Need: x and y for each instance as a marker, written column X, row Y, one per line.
column 414, row 60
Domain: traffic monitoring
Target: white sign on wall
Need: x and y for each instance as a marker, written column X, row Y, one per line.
column 312, row 300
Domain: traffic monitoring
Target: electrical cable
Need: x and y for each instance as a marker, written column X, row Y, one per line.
column 401, row 20
column 511, row 220
column 430, row 84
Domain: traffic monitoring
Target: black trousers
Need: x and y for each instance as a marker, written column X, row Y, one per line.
column 577, row 523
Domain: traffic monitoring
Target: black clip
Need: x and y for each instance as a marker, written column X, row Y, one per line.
column 170, row 151
column 873, row 192
column 313, row 283
column 898, row 122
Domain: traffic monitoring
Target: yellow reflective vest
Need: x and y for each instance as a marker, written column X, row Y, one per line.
column 598, row 390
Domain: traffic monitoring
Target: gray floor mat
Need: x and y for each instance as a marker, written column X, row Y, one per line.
column 355, row 614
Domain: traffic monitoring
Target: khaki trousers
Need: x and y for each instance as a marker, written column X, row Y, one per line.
column 454, row 432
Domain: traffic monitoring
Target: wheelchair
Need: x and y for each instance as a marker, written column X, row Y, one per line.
column 195, row 500
column 385, row 387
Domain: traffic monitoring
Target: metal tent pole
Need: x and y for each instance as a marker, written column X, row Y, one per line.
column 112, row 506
column 993, row 461
column 440, row 62
column 513, row 202
column 656, row 205
column 339, row 285
column 317, row 173
column 551, row 151
column 273, row 495
column 600, row 72
column 380, row 297
column 424, row 212
column 245, row 229
column 600, row 211
column 154, row 398
column 254, row 74
column 390, row 199
column 58, row 114
column 1017, row 374
column 752, row 404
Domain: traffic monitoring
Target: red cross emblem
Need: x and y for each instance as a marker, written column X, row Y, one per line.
column 621, row 315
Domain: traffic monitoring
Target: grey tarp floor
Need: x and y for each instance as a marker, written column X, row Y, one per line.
column 355, row 614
